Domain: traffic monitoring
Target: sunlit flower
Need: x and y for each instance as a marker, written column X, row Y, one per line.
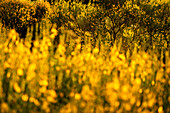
column 43, row 89
column 54, row 31
column 4, row 107
column 31, row 99
column 43, row 83
column 17, row 88
column 36, row 43
column 138, row 81
column 127, row 107
column 132, row 100
column 61, row 49
column 25, row 97
column 51, row 99
column 20, row 72
column 57, row 68
column 95, row 50
column 77, row 96
column 52, row 93
column 36, row 102
column 160, row 109
column 8, row 74
column 71, row 94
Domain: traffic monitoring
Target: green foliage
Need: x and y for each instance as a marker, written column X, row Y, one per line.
column 156, row 19
column 17, row 14
column 61, row 13
column 42, row 10
column 85, row 17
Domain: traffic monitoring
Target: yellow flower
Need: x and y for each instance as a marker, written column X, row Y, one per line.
column 78, row 46
column 140, row 90
column 45, row 105
column 71, row 94
column 116, row 86
column 82, row 104
column 5, row 49
column 49, row 43
column 61, row 94
column 52, row 93
column 138, row 103
column 43, row 83
column 138, row 81
column 61, row 49
column 160, row 109
column 25, row 97
column 36, row 44
column 132, row 100
column 113, row 85
column 20, row 72
column 117, row 103
column 86, row 93
column 13, row 34
column 95, row 50
column 100, row 109
column 31, row 99
column 124, row 96
column 13, row 31
column 125, row 88
column 151, row 102
column 68, row 71
column 8, row 74
column 17, row 88
column 6, row 65
column 51, row 99
column 36, row 102
column 42, row 89
column 127, row 107
column 153, row 82
column 30, row 75
column 32, row 67
column 54, row 31
column 77, row 96
column 4, row 107
column 52, row 36
column 57, row 68
column 122, row 57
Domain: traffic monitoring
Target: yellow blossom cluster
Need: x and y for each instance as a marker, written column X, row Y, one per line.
column 80, row 77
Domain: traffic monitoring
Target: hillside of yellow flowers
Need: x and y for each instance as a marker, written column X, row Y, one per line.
column 70, row 57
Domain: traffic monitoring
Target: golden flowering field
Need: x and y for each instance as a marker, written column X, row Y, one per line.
column 89, row 77
column 79, row 78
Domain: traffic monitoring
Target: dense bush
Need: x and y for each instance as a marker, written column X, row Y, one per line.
column 135, row 22
column 20, row 15
column 43, row 10
column 17, row 14
column 78, row 17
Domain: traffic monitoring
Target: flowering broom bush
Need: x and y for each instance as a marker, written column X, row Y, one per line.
column 124, row 75
column 17, row 14
column 20, row 15
column 82, row 79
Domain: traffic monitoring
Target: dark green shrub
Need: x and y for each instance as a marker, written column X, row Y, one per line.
column 108, row 4
column 61, row 13
column 156, row 19
column 76, row 15
column 20, row 15
column 17, row 15
column 42, row 10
